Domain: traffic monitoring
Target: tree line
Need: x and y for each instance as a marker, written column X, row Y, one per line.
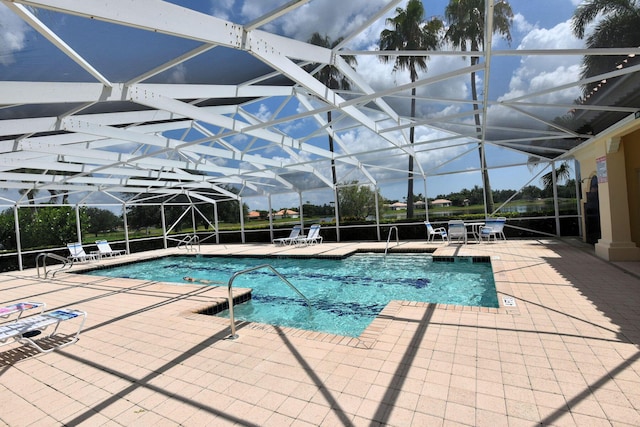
column 54, row 226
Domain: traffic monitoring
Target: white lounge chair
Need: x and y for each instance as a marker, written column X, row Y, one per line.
column 20, row 308
column 24, row 330
column 77, row 253
column 433, row 232
column 493, row 228
column 312, row 238
column 295, row 232
column 104, row 250
column 457, row 231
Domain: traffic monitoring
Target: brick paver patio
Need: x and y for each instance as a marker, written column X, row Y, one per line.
column 566, row 354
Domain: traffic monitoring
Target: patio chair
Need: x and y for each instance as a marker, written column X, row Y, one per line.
column 26, row 329
column 295, row 232
column 457, row 230
column 312, row 238
column 104, row 250
column 77, row 253
column 20, row 308
column 433, row 232
column 493, row 228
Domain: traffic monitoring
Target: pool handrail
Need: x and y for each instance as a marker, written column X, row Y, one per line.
column 393, row 227
column 187, row 243
column 233, row 335
column 44, row 255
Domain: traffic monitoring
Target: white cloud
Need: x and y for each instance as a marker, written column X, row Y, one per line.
column 521, row 24
column 321, row 17
column 263, row 114
column 178, row 74
column 222, row 8
column 13, row 33
column 537, row 72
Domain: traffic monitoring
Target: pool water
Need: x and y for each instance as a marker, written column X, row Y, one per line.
column 345, row 294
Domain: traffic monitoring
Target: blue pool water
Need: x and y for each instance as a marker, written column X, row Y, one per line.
column 345, row 294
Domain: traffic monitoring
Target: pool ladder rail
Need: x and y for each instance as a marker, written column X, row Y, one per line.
column 233, row 335
column 188, row 241
column 42, row 259
column 389, row 239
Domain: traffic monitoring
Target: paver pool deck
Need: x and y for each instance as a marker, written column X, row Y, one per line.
column 567, row 353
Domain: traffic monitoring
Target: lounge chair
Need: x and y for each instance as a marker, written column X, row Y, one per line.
column 77, row 253
column 104, row 250
column 295, row 232
column 20, row 308
column 493, row 228
column 24, row 330
column 312, row 238
column 433, row 232
column 457, row 230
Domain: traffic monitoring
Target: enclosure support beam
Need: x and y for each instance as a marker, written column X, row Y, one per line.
column 270, row 215
column 78, row 228
column 336, row 210
column 215, row 221
column 556, row 209
column 125, row 224
column 426, row 199
column 164, row 226
column 300, row 210
column 375, row 197
column 241, row 219
column 193, row 217
column 16, row 219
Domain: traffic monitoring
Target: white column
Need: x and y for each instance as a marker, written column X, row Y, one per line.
column 18, row 243
column 164, row 226
column 241, row 219
column 126, row 228
column 78, row 229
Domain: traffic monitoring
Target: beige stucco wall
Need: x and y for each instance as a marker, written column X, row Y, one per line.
column 619, row 195
column 632, row 160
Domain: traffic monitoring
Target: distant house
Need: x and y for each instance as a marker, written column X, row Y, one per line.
column 419, row 204
column 285, row 213
column 398, row 206
column 254, row 215
column 441, row 203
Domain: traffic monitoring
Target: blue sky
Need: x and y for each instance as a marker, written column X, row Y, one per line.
column 539, row 24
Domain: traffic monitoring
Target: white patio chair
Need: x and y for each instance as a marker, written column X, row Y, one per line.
column 312, row 238
column 24, row 329
column 493, row 228
column 457, row 230
column 77, row 253
column 295, row 232
column 433, row 232
column 104, row 249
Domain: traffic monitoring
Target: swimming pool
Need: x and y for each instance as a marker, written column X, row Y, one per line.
column 345, row 294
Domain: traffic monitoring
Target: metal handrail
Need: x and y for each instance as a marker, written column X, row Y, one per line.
column 187, row 242
column 65, row 262
column 233, row 335
column 389, row 238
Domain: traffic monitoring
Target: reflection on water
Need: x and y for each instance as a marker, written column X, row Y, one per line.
column 524, row 208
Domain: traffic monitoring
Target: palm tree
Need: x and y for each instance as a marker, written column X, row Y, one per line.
column 332, row 78
column 617, row 28
column 563, row 172
column 410, row 32
column 466, row 19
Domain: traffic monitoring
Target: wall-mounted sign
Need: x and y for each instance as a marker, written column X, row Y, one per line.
column 601, row 169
